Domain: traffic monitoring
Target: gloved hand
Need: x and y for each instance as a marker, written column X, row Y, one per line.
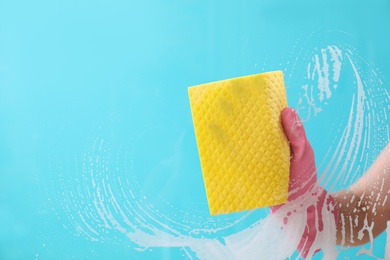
column 303, row 184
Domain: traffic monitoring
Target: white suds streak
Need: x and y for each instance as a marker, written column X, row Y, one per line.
column 344, row 140
column 359, row 121
column 119, row 204
column 336, row 58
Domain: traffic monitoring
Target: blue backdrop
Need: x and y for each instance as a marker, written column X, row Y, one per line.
column 98, row 158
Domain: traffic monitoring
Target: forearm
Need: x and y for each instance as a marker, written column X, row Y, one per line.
column 364, row 208
column 358, row 222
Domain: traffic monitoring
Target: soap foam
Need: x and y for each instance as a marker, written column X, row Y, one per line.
column 106, row 198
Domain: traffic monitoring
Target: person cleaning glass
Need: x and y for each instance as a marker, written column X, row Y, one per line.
column 363, row 206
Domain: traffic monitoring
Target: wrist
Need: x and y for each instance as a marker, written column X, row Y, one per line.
column 318, row 209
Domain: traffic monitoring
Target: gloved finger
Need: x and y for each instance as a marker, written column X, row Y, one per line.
column 311, row 232
column 294, row 131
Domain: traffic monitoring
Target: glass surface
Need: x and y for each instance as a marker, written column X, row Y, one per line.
column 98, row 157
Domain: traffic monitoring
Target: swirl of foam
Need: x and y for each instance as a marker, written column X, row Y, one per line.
column 104, row 201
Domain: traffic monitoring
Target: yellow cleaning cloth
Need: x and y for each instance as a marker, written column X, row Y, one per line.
column 244, row 154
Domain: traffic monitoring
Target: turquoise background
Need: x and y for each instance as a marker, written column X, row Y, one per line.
column 73, row 73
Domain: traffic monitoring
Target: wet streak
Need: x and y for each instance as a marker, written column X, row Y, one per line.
column 105, row 201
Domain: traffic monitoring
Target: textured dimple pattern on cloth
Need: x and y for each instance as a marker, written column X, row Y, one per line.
column 243, row 151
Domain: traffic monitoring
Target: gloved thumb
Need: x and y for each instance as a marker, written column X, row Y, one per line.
column 295, row 132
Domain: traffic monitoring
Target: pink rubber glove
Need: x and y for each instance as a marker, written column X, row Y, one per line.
column 303, row 182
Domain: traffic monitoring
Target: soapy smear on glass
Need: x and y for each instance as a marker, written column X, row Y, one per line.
column 106, row 196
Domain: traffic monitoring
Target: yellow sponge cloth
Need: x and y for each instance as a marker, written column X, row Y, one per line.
column 244, row 154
